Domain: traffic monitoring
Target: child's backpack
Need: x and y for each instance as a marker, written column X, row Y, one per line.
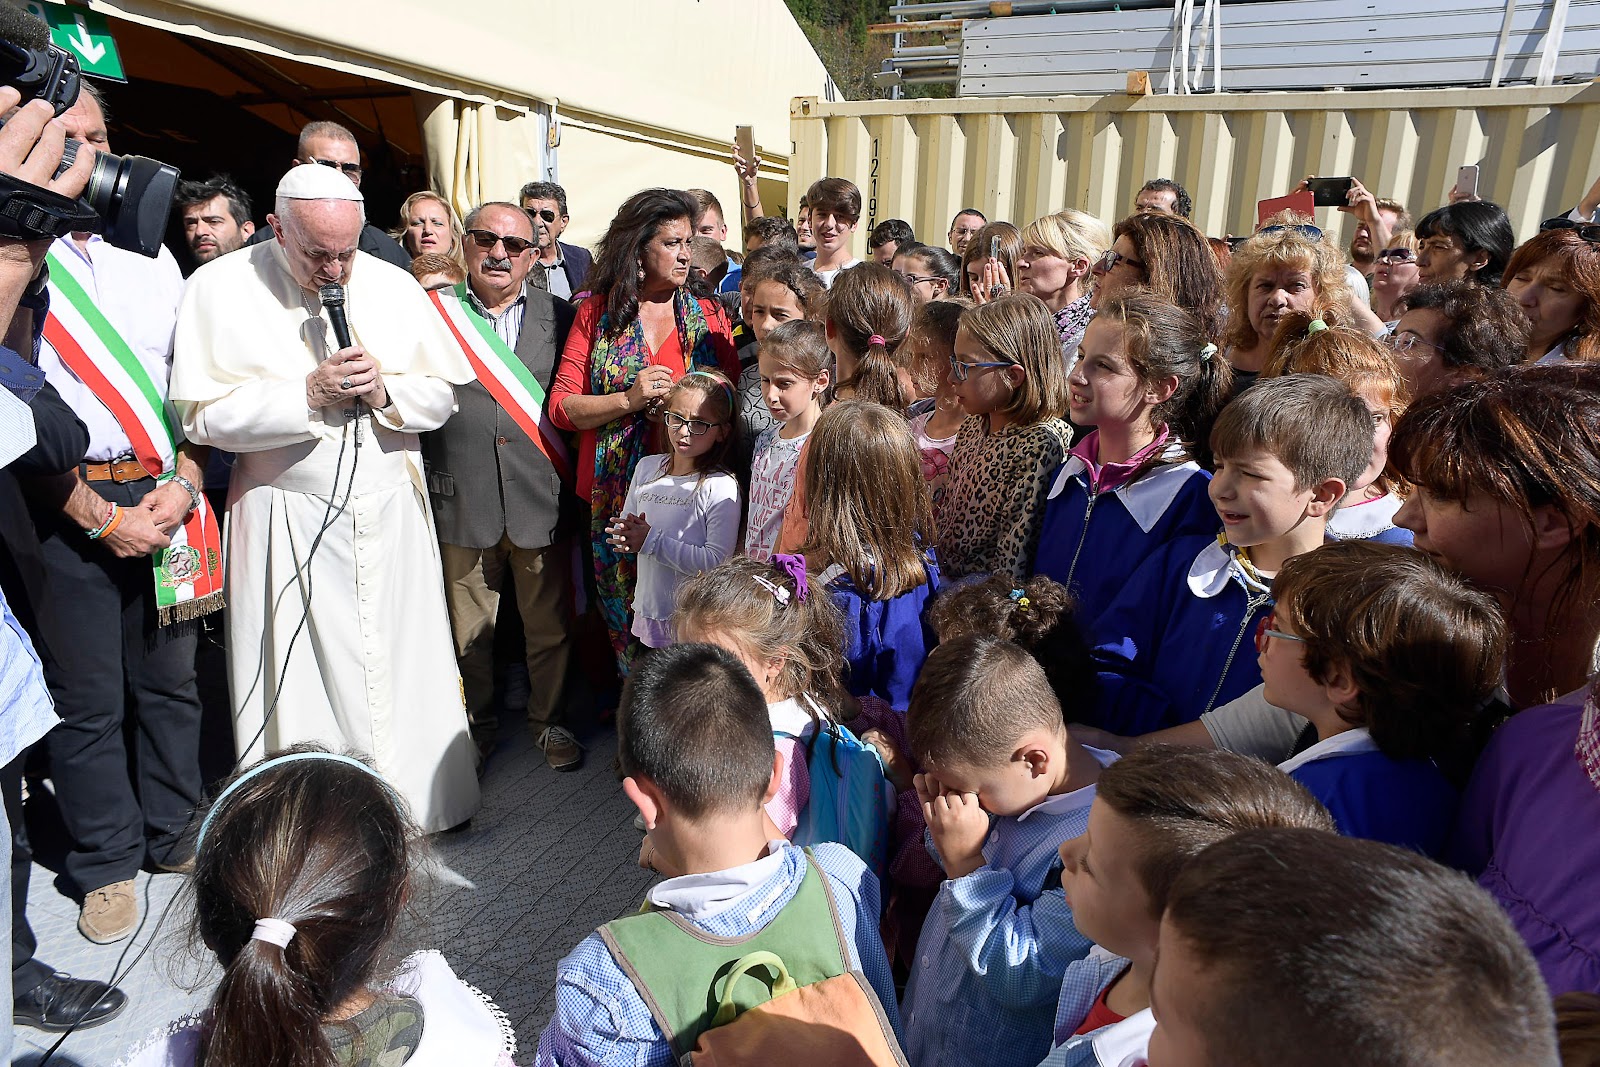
column 852, row 802
column 783, row 994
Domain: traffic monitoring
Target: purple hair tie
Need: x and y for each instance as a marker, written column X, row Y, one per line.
column 794, row 568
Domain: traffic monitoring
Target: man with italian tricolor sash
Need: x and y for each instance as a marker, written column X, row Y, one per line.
column 133, row 557
column 500, row 478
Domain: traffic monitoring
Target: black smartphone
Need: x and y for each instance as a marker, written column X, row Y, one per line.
column 1331, row 192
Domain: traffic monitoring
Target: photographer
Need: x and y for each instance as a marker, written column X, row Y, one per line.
column 107, row 348
column 31, row 411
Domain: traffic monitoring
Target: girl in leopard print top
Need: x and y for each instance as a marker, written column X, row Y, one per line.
column 1007, row 372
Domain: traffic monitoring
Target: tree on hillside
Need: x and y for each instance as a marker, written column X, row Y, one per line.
column 837, row 29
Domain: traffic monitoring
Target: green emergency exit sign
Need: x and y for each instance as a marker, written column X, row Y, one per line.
column 82, row 33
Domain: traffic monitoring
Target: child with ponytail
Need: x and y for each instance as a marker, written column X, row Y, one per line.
column 788, row 637
column 868, row 312
column 302, row 872
column 1147, row 384
column 871, row 524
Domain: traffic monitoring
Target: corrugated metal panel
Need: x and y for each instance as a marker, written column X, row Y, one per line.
column 1020, row 158
column 1288, row 45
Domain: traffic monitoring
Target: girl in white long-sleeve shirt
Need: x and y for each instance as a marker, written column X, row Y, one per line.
column 682, row 511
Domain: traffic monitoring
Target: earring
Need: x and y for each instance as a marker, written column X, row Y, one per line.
column 641, row 272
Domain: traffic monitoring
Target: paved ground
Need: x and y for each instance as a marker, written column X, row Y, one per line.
column 549, row 857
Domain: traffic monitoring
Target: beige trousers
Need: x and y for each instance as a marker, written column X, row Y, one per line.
column 542, row 580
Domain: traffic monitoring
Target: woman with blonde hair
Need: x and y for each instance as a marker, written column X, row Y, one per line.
column 1057, row 263
column 428, row 224
column 1287, row 265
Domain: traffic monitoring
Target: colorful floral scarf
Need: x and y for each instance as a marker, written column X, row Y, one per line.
column 620, row 445
column 1071, row 321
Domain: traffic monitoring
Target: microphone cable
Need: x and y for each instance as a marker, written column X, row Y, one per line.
column 330, row 516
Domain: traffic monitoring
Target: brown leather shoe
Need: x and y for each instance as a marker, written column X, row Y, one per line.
column 561, row 749
column 109, row 913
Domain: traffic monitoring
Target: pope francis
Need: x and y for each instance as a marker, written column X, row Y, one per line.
column 337, row 631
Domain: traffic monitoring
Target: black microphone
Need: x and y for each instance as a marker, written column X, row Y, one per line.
column 332, row 297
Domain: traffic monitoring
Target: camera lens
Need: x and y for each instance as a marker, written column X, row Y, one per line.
column 132, row 194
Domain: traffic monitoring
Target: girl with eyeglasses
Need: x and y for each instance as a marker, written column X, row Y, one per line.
column 681, row 514
column 1008, row 376
column 932, row 273
column 1394, row 276
column 1555, row 276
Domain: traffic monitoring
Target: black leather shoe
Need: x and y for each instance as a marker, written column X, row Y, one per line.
column 61, row 1002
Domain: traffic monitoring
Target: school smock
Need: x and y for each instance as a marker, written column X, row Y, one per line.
column 996, row 942
column 461, row 1026
column 1370, row 520
column 885, row 640
column 1408, row 803
column 1527, row 832
column 1179, row 640
column 1093, row 540
column 1081, row 985
column 600, row 1017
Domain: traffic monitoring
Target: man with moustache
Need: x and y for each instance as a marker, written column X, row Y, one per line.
column 499, row 504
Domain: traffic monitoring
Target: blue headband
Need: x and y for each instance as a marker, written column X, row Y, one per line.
column 278, row 761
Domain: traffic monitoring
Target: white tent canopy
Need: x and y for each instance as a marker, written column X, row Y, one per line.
column 607, row 96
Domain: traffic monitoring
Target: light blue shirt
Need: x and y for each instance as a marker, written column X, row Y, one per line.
column 26, row 711
column 987, row 975
column 601, row 1019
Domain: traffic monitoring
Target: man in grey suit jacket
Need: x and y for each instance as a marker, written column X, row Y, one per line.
column 499, row 505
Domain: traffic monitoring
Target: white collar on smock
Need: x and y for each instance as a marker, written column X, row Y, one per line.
column 1124, row 1044
column 1343, row 743
column 1211, row 571
column 702, row 896
column 1147, row 498
column 1067, row 803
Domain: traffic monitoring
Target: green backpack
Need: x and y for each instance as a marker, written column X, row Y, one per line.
column 702, row 991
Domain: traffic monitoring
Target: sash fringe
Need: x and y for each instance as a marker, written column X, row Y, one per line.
column 188, row 610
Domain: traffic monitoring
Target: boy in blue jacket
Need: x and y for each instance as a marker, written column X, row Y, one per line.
column 1390, row 658
column 1004, row 785
column 1176, row 642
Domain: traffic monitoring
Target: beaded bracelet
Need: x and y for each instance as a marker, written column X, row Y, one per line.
column 113, row 520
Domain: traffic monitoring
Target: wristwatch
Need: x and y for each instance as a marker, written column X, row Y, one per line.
column 188, row 487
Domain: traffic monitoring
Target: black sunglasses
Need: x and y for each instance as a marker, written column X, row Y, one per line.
column 350, row 170
column 543, row 213
column 487, row 239
column 1587, row 230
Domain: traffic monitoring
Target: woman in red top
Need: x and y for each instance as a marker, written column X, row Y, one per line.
column 638, row 333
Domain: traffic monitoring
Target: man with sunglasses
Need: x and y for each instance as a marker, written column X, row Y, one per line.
column 500, row 507
column 331, row 145
column 566, row 267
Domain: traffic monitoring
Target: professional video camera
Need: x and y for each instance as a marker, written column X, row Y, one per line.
column 128, row 197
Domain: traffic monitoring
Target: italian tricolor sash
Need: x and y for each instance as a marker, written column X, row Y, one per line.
column 506, row 377
column 188, row 573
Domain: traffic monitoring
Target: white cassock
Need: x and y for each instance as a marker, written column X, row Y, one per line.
column 374, row 668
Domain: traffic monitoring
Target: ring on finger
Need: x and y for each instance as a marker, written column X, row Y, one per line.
column 345, row 384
